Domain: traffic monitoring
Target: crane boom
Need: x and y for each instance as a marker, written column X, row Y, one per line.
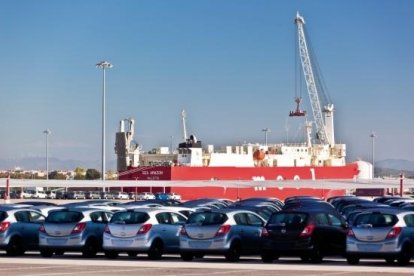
column 325, row 136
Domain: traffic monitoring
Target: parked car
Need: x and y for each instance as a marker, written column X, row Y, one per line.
column 93, row 195
column 310, row 233
column 162, row 196
column 38, row 194
column 145, row 196
column 150, row 231
column 387, row 233
column 133, row 196
column 61, row 195
column 78, row 230
column 50, row 194
column 227, row 232
column 19, row 229
column 120, row 195
column 24, row 194
column 174, row 196
column 75, row 195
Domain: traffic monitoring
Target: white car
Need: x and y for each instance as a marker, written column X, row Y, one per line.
column 146, row 196
column 120, row 195
column 39, row 194
column 174, row 196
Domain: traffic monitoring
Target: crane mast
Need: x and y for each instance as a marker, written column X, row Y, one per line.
column 325, row 132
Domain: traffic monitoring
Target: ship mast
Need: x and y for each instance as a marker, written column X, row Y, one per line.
column 183, row 116
column 324, row 129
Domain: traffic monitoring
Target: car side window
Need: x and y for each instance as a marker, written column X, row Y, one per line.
column 163, row 218
column 321, row 219
column 241, row 219
column 177, row 219
column 97, row 217
column 36, row 217
column 22, row 216
column 335, row 221
column 409, row 220
column 108, row 216
column 254, row 220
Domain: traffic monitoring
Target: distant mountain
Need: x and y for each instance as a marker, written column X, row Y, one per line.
column 39, row 163
column 396, row 164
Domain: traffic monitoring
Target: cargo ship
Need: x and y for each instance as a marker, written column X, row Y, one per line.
column 246, row 162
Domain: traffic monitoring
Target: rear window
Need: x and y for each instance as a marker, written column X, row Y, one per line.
column 288, row 219
column 3, row 215
column 64, row 217
column 129, row 217
column 206, row 218
column 375, row 220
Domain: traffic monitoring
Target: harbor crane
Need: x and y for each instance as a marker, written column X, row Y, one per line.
column 323, row 116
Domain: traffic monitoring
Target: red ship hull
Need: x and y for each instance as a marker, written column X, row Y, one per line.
column 241, row 173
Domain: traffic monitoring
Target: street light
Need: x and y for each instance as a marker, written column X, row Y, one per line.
column 47, row 132
column 103, row 65
column 373, row 144
column 266, row 130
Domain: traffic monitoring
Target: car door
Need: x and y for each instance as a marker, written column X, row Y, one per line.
column 28, row 223
column 339, row 230
column 170, row 224
column 244, row 231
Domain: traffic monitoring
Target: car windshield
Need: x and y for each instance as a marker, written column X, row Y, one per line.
column 129, row 218
column 64, row 217
column 288, row 219
column 375, row 220
column 207, row 218
column 3, row 215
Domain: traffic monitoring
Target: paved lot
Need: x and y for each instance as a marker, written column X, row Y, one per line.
column 170, row 266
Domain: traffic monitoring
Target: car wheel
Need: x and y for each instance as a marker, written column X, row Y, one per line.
column 316, row 255
column 389, row 260
column 132, row 254
column 59, row 252
column 90, row 248
column 111, row 254
column 186, row 256
column 405, row 256
column 46, row 253
column 155, row 251
column 233, row 255
column 267, row 257
column 14, row 248
column 199, row 255
column 352, row 260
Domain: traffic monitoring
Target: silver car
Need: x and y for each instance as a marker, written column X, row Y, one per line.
column 75, row 229
column 387, row 233
column 146, row 230
column 225, row 232
column 19, row 229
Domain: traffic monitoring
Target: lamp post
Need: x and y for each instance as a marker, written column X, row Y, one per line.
column 47, row 132
column 103, row 65
column 373, row 159
column 266, row 130
column 171, row 142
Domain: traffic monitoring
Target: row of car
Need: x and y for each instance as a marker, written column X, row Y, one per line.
column 305, row 227
column 117, row 195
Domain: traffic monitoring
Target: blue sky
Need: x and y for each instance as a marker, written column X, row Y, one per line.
column 229, row 63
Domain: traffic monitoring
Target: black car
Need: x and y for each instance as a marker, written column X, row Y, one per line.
column 310, row 234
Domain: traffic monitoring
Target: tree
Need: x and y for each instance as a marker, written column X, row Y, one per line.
column 92, row 174
column 56, row 175
column 79, row 173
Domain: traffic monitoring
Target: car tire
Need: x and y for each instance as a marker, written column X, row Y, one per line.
column 111, row 254
column 46, row 253
column 316, row 256
column 90, row 248
column 199, row 255
column 132, row 254
column 15, row 247
column 187, row 256
column 267, row 257
column 233, row 255
column 404, row 256
column 59, row 252
column 389, row 260
column 352, row 260
column 155, row 251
